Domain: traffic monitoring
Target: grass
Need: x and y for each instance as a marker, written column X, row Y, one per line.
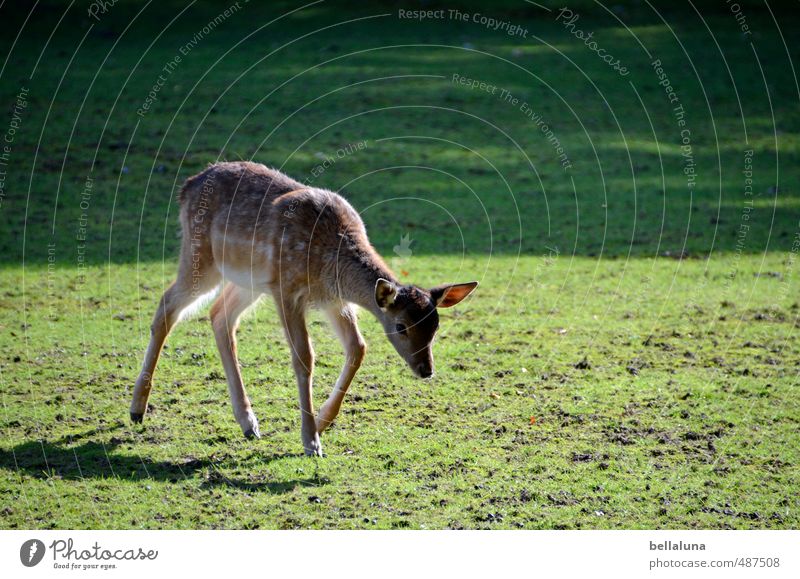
column 629, row 361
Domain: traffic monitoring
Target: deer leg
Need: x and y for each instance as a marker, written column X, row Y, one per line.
column 177, row 298
column 225, row 315
column 294, row 325
column 343, row 320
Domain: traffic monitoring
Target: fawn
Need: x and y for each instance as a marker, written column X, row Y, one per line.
column 262, row 232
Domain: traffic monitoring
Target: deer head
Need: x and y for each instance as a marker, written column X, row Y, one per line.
column 410, row 318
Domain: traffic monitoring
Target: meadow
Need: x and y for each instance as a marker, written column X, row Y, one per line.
column 629, row 360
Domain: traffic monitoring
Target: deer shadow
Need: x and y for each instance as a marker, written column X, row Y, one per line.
column 44, row 460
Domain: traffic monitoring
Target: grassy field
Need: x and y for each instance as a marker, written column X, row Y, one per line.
column 630, row 359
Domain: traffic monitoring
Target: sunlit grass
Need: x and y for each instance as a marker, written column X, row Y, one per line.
column 577, row 388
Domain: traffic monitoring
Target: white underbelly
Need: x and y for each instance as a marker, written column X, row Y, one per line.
column 244, row 263
column 250, row 278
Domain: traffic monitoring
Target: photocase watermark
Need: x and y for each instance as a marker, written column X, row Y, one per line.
column 547, row 261
column 687, row 154
column 199, row 233
column 31, row 552
column 94, row 557
column 171, row 66
column 476, row 17
column 736, row 10
column 524, row 107
column 20, row 104
column 99, row 7
column 568, row 18
column 52, row 314
column 402, row 254
column 744, row 224
column 327, row 161
column 81, row 235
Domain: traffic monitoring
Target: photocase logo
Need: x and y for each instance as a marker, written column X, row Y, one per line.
column 31, row 553
column 403, row 253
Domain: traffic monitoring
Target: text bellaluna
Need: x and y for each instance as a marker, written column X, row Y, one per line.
column 679, row 546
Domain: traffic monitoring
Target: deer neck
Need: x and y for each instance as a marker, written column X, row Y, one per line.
column 359, row 272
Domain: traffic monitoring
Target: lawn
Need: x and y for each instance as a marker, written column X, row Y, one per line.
column 629, row 360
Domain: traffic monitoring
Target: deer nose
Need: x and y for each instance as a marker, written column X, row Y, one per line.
column 424, row 371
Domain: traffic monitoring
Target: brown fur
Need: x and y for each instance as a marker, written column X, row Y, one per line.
column 265, row 233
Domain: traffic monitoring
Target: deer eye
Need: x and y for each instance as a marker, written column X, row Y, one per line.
column 401, row 329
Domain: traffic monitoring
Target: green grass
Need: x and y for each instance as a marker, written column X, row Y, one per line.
column 593, row 381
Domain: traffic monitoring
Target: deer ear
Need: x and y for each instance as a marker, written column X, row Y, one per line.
column 385, row 293
column 445, row 296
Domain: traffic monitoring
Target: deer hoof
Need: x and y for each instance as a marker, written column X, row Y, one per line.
column 313, row 448
column 137, row 417
column 252, row 433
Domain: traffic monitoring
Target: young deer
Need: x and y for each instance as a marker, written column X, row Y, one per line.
column 263, row 232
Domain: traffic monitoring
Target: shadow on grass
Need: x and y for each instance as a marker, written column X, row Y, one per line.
column 629, row 195
column 94, row 460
